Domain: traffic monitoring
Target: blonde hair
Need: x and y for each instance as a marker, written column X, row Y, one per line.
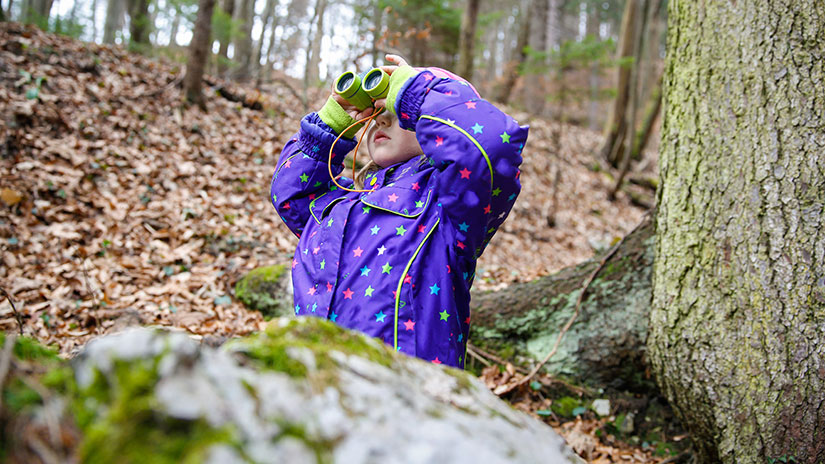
column 372, row 166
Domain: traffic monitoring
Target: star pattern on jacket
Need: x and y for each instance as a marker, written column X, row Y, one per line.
column 360, row 255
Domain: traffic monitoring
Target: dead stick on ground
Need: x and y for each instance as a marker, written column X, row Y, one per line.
column 14, row 310
column 576, row 312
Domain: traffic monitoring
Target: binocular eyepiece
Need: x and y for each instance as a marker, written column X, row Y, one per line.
column 361, row 89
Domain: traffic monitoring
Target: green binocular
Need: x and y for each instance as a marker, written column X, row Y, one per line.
column 361, row 89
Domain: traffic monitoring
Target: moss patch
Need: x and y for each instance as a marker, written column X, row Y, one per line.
column 122, row 421
column 265, row 289
column 304, row 346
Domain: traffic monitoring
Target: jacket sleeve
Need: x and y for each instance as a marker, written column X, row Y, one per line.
column 302, row 173
column 475, row 147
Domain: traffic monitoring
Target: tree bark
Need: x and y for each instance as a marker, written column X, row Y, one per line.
column 114, row 20
column 606, row 344
column 737, row 341
column 199, row 49
column 535, row 91
column 467, row 40
column 37, row 12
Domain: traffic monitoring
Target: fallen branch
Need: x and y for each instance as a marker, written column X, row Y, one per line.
column 14, row 310
column 575, row 312
column 255, row 104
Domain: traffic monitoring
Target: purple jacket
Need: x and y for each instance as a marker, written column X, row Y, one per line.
column 397, row 263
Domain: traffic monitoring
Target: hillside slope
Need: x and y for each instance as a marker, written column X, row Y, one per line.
column 121, row 206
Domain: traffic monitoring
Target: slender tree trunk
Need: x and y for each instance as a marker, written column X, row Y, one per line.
column 228, row 8
column 244, row 15
column 616, row 126
column 633, row 99
column 173, row 30
column 114, row 20
column 594, row 105
column 313, row 55
column 270, row 49
column 654, row 106
column 94, row 20
column 511, row 73
column 535, row 83
column 467, row 40
column 377, row 32
column 36, row 12
column 736, row 333
column 140, row 24
column 199, row 49
column 267, row 17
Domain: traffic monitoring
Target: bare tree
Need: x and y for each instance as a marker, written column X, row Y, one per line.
column 244, row 16
column 114, row 20
column 511, row 73
column 313, row 51
column 199, row 49
column 467, row 40
column 140, row 24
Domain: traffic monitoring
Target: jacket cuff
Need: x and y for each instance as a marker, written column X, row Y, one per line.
column 398, row 82
column 337, row 119
column 316, row 138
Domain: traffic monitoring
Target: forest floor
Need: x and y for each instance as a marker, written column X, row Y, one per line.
column 120, row 206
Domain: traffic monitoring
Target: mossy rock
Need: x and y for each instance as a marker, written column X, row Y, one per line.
column 266, row 289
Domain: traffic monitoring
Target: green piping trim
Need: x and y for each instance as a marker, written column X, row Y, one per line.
column 401, row 282
column 281, row 167
column 312, row 204
column 466, row 134
column 401, row 214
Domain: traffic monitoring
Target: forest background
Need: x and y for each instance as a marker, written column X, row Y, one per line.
column 124, row 206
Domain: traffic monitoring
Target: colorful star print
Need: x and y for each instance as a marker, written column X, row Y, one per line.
column 429, row 217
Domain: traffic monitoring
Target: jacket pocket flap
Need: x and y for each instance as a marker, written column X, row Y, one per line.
column 399, row 200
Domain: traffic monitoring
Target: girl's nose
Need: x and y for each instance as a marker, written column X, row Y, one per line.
column 384, row 119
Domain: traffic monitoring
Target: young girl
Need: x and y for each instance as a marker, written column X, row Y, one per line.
column 397, row 261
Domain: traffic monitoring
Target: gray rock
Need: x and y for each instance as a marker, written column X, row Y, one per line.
column 308, row 391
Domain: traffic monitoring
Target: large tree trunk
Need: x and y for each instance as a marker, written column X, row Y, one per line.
column 737, row 340
column 606, row 344
column 199, row 49
column 535, row 92
column 467, row 40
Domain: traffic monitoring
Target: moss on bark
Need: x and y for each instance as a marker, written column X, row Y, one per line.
column 736, row 339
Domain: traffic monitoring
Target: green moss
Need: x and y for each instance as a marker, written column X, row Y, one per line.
column 29, row 349
column 264, row 289
column 277, row 348
column 565, row 405
column 122, row 421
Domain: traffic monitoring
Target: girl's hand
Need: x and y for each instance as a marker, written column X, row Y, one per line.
column 350, row 108
column 389, row 69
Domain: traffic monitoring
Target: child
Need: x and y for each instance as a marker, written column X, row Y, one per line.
column 397, row 262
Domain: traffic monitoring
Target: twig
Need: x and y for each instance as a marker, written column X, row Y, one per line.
column 90, row 290
column 578, row 308
column 14, row 309
column 5, row 361
column 494, row 358
column 676, row 458
column 472, row 353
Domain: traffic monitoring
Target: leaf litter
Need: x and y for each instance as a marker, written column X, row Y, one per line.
column 120, row 206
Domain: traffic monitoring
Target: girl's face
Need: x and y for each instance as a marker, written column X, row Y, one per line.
column 388, row 143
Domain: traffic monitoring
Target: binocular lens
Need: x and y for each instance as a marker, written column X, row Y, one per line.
column 345, row 81
column 372, row 80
